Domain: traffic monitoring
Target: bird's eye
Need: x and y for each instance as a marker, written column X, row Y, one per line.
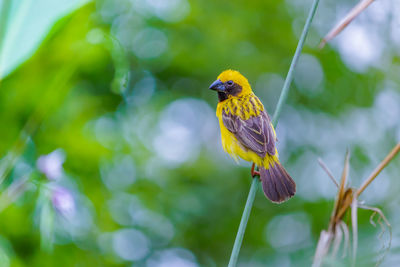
column 229, row 82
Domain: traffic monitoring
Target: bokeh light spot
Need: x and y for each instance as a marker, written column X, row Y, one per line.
column 131, row 244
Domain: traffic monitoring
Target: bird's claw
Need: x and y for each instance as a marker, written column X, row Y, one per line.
column 254, row 173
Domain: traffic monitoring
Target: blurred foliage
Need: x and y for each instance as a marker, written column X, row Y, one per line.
column 112, row 124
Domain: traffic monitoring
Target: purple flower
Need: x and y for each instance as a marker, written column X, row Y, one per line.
column 51, row 164
column 63, row 201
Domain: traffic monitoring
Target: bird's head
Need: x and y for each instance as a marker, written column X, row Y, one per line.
column 230, row 83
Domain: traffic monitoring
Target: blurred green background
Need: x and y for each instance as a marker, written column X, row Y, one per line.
column 110, row 148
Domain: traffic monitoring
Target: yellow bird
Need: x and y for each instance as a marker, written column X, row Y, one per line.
column 247, row 132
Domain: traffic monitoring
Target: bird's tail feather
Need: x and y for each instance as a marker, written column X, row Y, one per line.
column 277, row 184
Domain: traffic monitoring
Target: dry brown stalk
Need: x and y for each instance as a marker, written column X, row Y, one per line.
column 360, row 7
column 378, row 169
column 347, row 198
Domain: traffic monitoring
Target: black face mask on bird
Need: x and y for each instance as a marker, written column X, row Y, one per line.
column 225, row 89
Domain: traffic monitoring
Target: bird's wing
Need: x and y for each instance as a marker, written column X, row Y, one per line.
column 255, row 134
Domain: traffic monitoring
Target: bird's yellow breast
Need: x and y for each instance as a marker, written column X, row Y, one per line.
column 244, row 107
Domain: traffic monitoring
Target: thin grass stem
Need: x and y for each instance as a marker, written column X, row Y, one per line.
column 345, row 21
column 289, row 77
column 243, row 223
column 282, row 99
column 326, row 169
column 378, row 169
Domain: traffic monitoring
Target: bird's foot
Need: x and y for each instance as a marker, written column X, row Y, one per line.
column 254, row 173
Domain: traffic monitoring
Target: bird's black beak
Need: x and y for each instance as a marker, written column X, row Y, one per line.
column 218, row 86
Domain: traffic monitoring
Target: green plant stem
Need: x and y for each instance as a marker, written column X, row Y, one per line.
column 243, row 223
column 282, row 99
column 289, row 76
